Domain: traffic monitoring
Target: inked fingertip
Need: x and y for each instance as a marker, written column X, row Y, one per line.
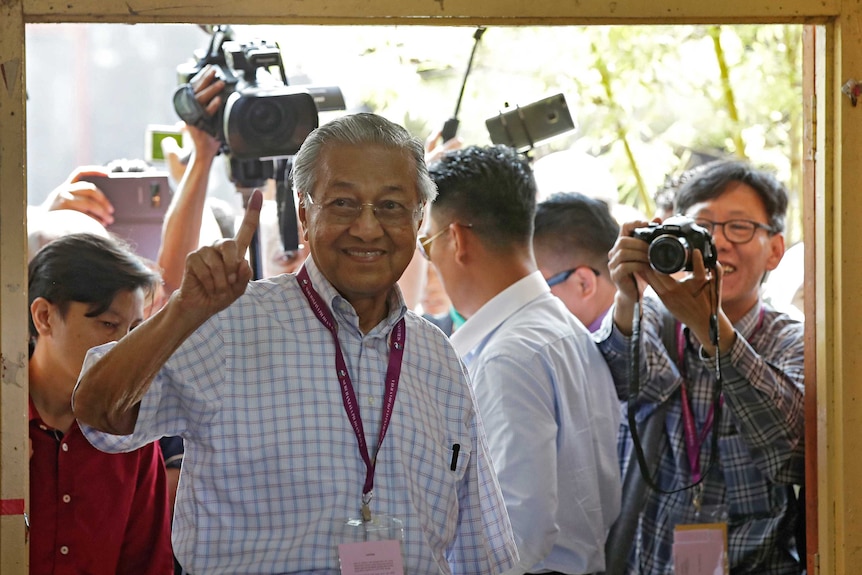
column 256, row 200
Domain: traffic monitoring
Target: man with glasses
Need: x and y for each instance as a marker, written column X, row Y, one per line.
column 542, row 388
column 748, row 482
column 573, row 236
column 326, row 426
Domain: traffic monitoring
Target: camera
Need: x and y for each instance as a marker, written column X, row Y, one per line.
column 672, row 242
column 525, row 126
column 261, row 117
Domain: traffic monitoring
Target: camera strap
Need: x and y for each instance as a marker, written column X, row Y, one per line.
column 675, row 347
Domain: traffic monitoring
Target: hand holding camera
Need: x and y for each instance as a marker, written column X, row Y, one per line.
column 673, row 242
column 650, row 254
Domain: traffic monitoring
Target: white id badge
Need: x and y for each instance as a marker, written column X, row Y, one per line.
column 700, row 538
column 700, row 549
column 370, row 547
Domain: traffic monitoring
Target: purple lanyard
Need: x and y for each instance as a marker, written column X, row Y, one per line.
column 348, row 395
column 693, row 440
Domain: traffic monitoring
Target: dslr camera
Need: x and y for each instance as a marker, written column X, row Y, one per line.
column 672, row 243
column 261, row 117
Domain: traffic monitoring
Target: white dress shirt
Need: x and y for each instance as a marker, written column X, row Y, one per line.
column 551, row 416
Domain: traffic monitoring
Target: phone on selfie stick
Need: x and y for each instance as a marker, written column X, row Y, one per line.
column 450, row 127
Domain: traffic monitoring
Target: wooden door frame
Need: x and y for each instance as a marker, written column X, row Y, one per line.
column 833, row 55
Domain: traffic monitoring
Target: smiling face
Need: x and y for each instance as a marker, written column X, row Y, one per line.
column 745, row 264
column 362, row 259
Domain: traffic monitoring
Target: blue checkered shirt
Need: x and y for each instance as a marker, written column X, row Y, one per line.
column 272, row 467
column 760, row 446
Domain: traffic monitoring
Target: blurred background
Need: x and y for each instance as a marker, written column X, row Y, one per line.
column 648, row 102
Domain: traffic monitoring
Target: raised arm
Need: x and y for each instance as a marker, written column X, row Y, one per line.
column 108, row 394
column 182, row 226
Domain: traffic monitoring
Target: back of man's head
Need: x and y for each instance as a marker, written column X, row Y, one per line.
column 359, row 130
column 490, row 188
column 713, row 179
column 572, row 226
column 86, row 268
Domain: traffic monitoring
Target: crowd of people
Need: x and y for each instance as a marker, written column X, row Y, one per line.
column 334, row 412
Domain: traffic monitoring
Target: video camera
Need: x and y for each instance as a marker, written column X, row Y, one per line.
column 672, row 243
column 261, row 123
column 261, row 117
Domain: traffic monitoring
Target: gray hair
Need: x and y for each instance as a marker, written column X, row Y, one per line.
column 359, row 129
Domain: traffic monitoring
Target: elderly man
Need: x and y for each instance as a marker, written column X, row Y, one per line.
column 318, row 412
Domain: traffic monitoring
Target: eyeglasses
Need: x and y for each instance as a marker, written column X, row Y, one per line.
column 559, row 278
column 390, row 213
column 423, row 242
column 735, row 231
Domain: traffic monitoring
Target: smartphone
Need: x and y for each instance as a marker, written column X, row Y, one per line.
column 522, row 127
column 140, row 201
column 153, row 137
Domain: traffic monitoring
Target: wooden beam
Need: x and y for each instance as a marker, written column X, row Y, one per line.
column 836, row 312
column 14, row 452
column 446, row 12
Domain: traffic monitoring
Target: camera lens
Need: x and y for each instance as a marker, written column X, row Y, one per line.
column 668, row 254
column 265, row 116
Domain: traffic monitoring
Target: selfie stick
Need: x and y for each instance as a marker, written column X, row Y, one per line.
column 450, row 128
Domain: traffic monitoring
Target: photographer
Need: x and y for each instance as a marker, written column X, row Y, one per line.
column 748, row 482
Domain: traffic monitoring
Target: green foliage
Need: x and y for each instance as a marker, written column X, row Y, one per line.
column 646, row 99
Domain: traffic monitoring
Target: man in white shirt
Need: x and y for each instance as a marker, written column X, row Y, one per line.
column 543, row 390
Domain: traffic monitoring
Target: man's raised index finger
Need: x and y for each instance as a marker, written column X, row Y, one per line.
column 250, row 221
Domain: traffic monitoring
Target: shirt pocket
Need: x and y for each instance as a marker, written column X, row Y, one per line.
column 433, row 485
column 456, row 458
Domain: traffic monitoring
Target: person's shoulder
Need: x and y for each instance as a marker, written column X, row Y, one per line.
column 273, row 289
column 778, row 324
column 442, row 321
column 549, row 316
column 427, row 329
column 537, row 328
column 278, row 297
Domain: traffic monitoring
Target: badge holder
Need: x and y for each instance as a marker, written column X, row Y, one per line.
column 700, row 539
column 372, row 546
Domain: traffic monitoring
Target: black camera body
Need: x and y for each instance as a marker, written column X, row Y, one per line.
column 261, row 117
column 672, row 243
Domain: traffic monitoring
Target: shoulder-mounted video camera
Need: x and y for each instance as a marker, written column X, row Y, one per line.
column 261, row 116
column 672, row 243
column 261, row 122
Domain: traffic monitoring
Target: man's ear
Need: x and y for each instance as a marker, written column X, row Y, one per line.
column 463, row 242
column 587, row 281
column 41, row 312
column 303, row 216
column 776, row 251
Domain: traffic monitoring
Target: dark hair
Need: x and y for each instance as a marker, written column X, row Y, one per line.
column 714, row 178
column 570, row 223
column 492, row 188
column 85, row 268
